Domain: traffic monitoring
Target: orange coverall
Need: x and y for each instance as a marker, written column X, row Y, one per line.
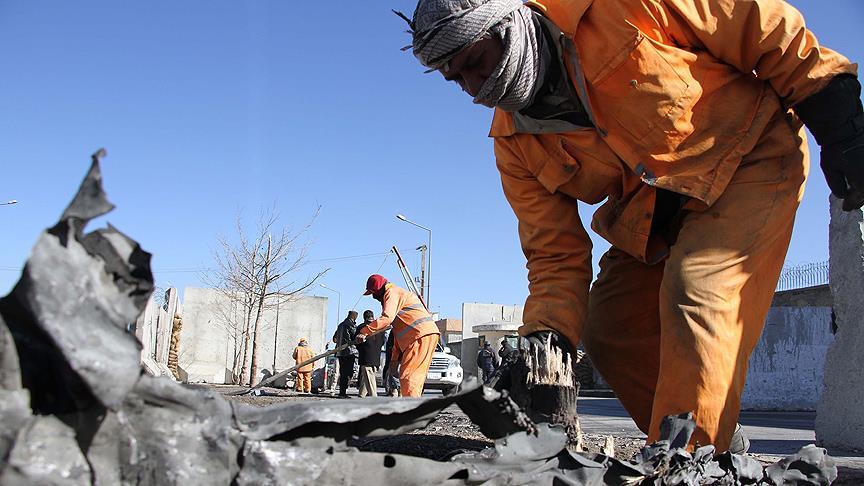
column 689, row 96
column 304, row 373
column 416, row 337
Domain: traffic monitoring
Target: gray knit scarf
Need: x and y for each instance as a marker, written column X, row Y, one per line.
column 443, row 28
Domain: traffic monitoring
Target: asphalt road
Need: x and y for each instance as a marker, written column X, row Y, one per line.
column 773, row 433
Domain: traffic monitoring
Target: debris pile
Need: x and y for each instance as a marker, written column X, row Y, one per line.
column 75, row 407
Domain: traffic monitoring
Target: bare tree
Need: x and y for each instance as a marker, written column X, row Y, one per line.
column 258, row 272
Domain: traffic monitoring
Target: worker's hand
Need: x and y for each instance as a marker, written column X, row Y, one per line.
column 843, row 165
column 360, row 338
column 835, row 117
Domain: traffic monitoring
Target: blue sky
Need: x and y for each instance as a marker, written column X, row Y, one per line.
column 208, row 108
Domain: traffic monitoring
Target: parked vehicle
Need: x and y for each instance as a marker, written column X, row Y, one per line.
column 445, row 372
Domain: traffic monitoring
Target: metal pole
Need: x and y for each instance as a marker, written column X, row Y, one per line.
column 422, row 249
column 429, row 269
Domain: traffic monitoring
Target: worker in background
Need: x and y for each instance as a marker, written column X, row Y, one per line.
column 303, row 382
column 487, row 362
column 415, row 334
column 506, row 350
column 369, row 358
column 345, row 333
column 685, row 116
column 391, row 369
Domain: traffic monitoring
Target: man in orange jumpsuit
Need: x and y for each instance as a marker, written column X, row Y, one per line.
column 685, row 116
column 302, row 353
column 414, row 330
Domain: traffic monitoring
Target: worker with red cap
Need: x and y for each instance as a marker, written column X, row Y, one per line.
column 414, row 330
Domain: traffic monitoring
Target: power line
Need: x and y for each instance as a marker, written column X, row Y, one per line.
column 349, row 257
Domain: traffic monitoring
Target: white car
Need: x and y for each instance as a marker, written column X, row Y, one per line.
column 445, row 372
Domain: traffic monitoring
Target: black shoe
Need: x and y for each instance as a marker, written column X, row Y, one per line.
column 540, row 379
column 740, row 443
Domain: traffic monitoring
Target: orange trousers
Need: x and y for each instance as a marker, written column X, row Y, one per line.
column 414, row 363
column 677, row 336
column 303, row 383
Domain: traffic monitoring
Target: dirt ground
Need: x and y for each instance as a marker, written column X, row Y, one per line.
column 449, row 434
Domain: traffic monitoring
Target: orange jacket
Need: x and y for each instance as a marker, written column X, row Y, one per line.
column 410, row 319
column 301, row 354
column 680, row 91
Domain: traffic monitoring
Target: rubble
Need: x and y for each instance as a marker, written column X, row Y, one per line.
column 75, row 407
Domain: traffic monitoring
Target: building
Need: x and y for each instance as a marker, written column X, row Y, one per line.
column 450, row 329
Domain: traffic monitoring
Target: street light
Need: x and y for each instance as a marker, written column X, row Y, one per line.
column 428, row 255
column 338, row 301
column 9, row 202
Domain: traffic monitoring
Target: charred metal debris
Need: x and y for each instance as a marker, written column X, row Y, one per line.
column 75, row 407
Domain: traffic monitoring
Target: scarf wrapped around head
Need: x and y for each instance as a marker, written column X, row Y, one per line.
column 443, row 28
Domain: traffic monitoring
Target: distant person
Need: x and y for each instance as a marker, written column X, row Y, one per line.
column 415, row 333
column 345, row 333
column 302, row 352
column 506, row 350
column 369, row 358
column 391, row 375
column 487, row 362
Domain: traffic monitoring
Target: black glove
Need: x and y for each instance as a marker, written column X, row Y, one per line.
column 836, row 119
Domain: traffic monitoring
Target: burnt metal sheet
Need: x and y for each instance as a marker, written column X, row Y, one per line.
column 45, row 453
column 70, row 309
column 495, row 413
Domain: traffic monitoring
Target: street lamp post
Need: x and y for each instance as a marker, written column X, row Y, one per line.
column 428, row 255
column 338, row 301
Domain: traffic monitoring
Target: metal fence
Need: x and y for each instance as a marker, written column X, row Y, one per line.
column 804, row 275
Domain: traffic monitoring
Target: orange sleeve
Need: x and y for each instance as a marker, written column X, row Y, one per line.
column 556, row 245
column 765, row 37
column 389, row 310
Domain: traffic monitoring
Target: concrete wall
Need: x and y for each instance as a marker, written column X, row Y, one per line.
column 787, row 367
column 473, row 314
column 210, row 337
column 840, row 415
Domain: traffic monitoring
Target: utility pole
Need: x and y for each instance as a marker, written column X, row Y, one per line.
column 406, row 274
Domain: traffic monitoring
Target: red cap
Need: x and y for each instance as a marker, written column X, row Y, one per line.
column 374, row 284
